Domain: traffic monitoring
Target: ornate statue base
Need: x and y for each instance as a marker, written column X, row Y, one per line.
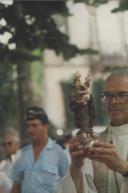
column 86, row 140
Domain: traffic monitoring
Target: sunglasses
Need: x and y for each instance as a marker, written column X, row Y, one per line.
column 7, row 143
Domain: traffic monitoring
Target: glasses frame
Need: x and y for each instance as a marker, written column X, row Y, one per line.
column 120, row 96
column 10, row 143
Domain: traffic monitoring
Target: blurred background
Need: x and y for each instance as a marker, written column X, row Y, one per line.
column 42, row 45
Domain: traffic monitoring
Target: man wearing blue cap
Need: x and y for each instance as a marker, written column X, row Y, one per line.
column 41, row 164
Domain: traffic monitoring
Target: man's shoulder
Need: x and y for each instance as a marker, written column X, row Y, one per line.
column 57, row 147
column 22, row 152
column 54, row 144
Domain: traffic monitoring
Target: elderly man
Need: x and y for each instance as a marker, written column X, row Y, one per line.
column 40, row 165
column 103, row 168
column 10, row 144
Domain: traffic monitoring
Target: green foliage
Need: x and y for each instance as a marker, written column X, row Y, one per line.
column 100, row 112
column 37, row 79
column 8, row 98
column 123, row 6
column 66, row 88
column 32, row 26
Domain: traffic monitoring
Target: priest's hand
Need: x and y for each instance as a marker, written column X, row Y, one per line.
column 107, row 153
column 78, row 154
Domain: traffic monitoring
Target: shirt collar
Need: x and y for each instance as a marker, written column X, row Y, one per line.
column 49, row 144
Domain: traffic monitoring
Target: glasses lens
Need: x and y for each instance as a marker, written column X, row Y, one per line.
column 120, row 96
column 7, row 144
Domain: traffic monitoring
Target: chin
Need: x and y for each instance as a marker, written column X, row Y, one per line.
column 117, row 122
column 116, row 115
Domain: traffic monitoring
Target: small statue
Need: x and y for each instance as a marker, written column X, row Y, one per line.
column 86, row 94
column 81, row 104
column 78, row 90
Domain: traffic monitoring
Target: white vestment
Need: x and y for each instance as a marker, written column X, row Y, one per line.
column 6, row 165
column 5, row 183
column 115, row 182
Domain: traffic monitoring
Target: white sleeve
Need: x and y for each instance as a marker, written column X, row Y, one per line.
column 124, row 185
column 5, row 183
column 88, row 185
column 67, row 184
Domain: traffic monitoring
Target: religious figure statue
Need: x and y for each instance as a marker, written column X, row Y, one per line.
column 81, row 104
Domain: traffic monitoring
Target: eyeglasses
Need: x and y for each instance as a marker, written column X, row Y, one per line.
column 7, row 143
column 121, row 96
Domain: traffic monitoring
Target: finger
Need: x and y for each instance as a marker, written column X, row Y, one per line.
column 101, row 150
column 100, row 157
column 98, row 143
column 77, row 154
column 74, row 147
column 74, row 139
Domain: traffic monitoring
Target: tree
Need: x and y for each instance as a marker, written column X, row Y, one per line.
column 31, row 25
column 123, row 6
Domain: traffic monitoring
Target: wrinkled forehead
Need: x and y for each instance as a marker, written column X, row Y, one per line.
column 116, row 83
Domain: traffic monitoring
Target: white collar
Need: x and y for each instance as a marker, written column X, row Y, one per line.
column 119, row 130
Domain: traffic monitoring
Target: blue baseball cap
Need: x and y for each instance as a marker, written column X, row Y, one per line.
column 36, row 112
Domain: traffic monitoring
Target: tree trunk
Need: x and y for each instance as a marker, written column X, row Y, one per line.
column 25, row 94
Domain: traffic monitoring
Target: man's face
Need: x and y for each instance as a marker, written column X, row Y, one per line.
column 116, row 90
column 9, row 144
column 37, row 131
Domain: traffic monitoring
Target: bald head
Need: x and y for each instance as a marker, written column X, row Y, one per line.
column 122, row 72
column 11, row 142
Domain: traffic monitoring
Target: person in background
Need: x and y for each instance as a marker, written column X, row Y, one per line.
column 64, row 143
column 103, row 168
column 5, row 183
column 40, row 165
column 10, row 144
column 66, row 139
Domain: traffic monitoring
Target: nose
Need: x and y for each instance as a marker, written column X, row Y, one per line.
column 114, row 100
